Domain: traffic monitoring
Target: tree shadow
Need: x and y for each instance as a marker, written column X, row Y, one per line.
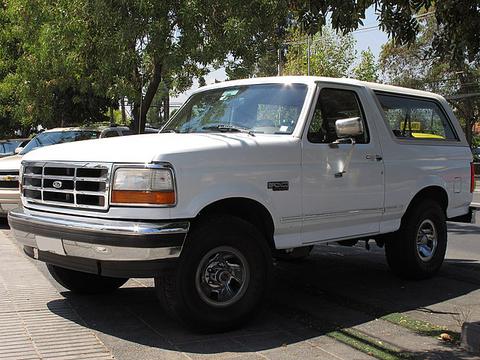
column 335, row 288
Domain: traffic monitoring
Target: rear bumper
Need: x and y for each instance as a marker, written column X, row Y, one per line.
column 93, row 245
column 468, row 218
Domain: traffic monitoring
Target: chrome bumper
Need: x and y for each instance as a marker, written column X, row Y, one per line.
column 97, row 239
column 9, row 200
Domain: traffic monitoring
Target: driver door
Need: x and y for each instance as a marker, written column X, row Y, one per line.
column 343, row 184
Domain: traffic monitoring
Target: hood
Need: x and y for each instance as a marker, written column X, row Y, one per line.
column 149, row 147
column 10, row 162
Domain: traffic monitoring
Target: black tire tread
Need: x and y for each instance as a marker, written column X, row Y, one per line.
column 84, row 283
column 168, row 283
column 400, row 249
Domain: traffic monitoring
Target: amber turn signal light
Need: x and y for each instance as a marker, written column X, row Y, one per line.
column 143, row 197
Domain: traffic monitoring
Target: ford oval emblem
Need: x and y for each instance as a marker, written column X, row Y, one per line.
column 57, row 184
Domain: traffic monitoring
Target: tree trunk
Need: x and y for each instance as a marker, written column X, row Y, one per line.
column 140, row 109
column 124, row 114
column 166, row 108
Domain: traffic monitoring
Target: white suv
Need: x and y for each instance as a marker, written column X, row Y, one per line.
column 243, row 171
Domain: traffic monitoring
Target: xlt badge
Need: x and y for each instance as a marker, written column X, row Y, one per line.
column 278, row 185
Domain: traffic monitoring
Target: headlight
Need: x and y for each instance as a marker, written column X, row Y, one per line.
column 143, row 186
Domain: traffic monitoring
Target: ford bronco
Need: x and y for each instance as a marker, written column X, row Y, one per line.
column 247, row 170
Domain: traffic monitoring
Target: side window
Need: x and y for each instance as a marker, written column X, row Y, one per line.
column 412, row 118
column 333, row 105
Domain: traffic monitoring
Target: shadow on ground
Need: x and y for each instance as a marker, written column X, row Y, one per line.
column 334, row 288
column 4, row 223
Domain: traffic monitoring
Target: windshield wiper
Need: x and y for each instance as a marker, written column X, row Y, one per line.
column 229, row 128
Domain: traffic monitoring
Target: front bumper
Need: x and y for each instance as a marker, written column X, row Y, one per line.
column 93, row 245
column 9, row 200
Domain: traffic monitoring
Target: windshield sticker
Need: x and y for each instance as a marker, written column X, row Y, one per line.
column 228, row 93
column 283, row 128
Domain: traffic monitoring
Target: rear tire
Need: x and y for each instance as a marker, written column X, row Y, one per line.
column 221, row 278
column 84, row 283
column 417, row 250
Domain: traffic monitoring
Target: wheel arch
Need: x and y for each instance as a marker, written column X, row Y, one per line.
column 247, row 209
column 433, row 192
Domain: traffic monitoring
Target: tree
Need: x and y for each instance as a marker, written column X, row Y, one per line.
column 10, row 51
column 126, row 49
column 331, row 54
column 458, row 21
column 367, row 68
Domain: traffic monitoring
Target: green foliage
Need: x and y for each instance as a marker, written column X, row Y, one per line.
column 69, row 61
column 455, row 40
column 331, row 54
column 367, row 68
column 80, row 57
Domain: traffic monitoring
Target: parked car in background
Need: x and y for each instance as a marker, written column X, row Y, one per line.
column 114, row 131
column 20, row 146
column 7, row 147
column 10, row 166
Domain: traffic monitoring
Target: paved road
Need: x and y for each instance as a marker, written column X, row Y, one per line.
column 340, row 303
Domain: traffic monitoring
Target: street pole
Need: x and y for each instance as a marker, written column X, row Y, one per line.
column 308, row 55
column 280, row 65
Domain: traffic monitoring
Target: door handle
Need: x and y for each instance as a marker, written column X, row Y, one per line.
column 378, row 158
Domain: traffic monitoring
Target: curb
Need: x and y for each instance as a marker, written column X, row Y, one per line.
column 471, row 337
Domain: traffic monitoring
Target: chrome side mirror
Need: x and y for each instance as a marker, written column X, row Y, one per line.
column 349, row 128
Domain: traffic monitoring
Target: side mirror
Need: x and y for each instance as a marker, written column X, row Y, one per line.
column 349, row 128
column 18, row 150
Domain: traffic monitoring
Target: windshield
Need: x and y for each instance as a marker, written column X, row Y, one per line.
column 58, row 137
column 9, row 146
column 264, row 108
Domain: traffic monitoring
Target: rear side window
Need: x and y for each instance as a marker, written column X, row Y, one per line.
column 413, row 118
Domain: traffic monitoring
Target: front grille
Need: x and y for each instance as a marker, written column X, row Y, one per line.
column 9, row 179
column 78, row 185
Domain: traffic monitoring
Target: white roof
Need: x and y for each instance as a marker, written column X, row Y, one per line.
column 311, row 80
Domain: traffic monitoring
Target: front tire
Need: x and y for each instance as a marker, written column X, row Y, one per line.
column 84, row 283
column 418, row 249
column 221, row 278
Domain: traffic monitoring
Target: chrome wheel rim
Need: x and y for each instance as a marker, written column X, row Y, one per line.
column 222, row 276
column 427, row 240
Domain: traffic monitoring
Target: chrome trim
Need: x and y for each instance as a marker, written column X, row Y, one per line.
column 154, row 165
column 69, row 165
column 20, row 220
column 358, row 236
column 117, row 253
column 314, row 217
column 116, row 227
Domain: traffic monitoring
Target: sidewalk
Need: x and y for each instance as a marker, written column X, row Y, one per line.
column 341, row 304
column 29, row 329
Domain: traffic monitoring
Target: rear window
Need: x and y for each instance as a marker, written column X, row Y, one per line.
column 417, row 119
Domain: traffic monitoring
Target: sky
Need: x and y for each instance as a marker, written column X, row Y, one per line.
column 369, row 37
